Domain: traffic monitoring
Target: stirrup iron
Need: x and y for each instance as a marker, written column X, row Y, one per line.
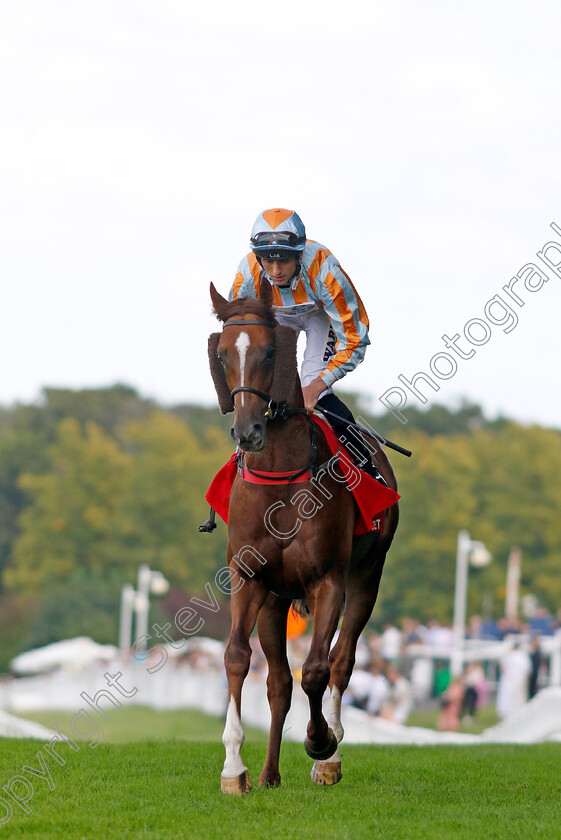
column 208, row 526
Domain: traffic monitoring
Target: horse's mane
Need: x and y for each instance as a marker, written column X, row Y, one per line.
column 246, row 306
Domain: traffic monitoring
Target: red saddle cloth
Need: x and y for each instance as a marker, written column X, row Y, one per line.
column 370, row 496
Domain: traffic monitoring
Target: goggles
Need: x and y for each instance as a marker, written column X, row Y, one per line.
column 275, row 256
column 279, row 239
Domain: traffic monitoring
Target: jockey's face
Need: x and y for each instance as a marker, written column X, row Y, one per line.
column 280, row 271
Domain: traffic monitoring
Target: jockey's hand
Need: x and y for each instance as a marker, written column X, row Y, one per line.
column 311, row 393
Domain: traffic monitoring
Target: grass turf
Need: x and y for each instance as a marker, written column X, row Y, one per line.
column 428, row 717
column 171, row 790
column 139, row 723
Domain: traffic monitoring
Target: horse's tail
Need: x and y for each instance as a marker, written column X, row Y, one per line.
column 300, row 607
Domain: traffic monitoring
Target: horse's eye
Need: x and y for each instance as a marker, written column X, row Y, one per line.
column 220, row 358
column 269, row 354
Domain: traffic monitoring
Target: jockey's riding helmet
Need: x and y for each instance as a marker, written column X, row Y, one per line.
column 278, row 234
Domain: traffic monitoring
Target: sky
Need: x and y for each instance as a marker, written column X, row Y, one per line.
column 420, row 142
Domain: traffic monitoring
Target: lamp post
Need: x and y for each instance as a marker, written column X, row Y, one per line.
column 137, row 601
column 125, row 617
column 513, row 583
column 468, row 551
column 148, row 582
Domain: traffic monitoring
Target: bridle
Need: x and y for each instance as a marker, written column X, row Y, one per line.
column 274, row 409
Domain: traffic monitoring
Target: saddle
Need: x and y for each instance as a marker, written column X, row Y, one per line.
column 371, row 498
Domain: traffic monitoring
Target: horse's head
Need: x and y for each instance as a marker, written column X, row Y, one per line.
column 253, row 364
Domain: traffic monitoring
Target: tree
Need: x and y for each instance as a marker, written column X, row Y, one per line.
column 20, row 450
column 71, row 522
column 85, row 499
column 501, row 483
column 171, row 471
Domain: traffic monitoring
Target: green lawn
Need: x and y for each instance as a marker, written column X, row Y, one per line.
column 483, row 719
column 138, row 723
column 171, row 790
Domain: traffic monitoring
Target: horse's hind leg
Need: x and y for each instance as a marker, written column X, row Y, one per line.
column 360, row 599
column 328, row 771
column 271, row 625
column 245, row 606
column 362, row 591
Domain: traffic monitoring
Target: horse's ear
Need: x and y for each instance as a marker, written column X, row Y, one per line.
column 217, row 300
column 265, row 292
column 225, row 401
column 286, row 364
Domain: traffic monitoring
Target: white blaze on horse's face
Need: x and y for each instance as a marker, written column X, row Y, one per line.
column 242, row 345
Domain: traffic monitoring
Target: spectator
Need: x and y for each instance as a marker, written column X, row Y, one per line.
column 449, row 718
column 374, row 642
column 441, row 677
column 475, row 628
column 508, row 627
column 490, row 630
column 542, row 623
column 513, row 685
column 473, row 678
column 397, row 706
column 368, row 689
column 362, row 656
column 438, row 635
column 379, row 687
column 390, row 646
column 358, row 690
column 411, row 632
column 535, row 666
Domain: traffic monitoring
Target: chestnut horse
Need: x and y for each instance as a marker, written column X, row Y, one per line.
column 276, row 556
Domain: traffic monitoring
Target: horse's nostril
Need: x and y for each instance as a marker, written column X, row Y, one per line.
column 233, row 435
column 257, row 431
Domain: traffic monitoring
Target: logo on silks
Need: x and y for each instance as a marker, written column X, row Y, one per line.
column 330, row 346
column 296, row 309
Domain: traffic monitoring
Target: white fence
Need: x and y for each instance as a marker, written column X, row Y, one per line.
column 179, row 686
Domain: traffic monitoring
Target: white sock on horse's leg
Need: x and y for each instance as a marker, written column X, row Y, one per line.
column 328, row 771
column 334, row 716
column 233, row 739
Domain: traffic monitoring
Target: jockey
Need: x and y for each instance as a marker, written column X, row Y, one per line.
column 311, row 293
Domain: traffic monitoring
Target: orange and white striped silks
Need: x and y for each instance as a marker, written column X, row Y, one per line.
column 323, row 285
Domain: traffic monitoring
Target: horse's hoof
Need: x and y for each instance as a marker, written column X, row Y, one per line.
column 326, row 772
column 269, row 782
column 327, row 752
column 236, row 785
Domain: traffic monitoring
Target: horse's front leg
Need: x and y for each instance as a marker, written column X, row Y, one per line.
column 325, row 605
column 245, row 607
column 272, row 635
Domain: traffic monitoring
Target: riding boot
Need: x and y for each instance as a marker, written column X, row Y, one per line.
column 339, row 417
